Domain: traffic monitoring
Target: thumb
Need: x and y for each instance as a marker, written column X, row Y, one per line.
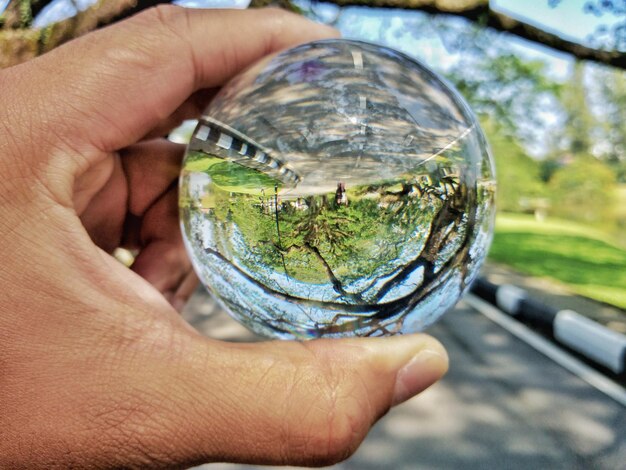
column 309, row 403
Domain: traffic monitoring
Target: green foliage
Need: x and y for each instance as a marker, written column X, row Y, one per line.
column 620, row 214
column 580, row 123
column 505, row 89
column 349, row 240
column 588, row 264
column 548, row 166
column 518, row 176
column 584, row 190
column 18, row 14
column 612, row 101
column 231, row 177
column 313, row 239
column 26, row 16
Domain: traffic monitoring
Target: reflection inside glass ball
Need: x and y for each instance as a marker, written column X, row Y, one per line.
column 337, row 189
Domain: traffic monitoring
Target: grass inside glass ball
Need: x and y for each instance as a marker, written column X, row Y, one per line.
column 336, row 189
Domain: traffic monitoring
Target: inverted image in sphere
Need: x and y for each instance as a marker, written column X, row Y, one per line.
column 337, row 189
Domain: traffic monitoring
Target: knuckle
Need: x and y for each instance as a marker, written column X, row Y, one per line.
column 173, row 24
column 279, row 20
column 165, row 14
column 277, row 13
column 172, row 20
column 156, row 26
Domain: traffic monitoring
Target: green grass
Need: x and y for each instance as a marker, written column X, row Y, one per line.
column 585, row 259
column 230, row 176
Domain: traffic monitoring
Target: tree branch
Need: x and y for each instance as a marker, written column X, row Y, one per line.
column 16, row 15
column 480, row 12
column 19, row 45
column 337, row 284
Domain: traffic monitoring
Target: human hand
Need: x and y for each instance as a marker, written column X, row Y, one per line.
column 97, row 368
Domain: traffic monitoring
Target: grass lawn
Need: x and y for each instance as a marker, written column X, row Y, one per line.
column 585, row 259
column 230, row 176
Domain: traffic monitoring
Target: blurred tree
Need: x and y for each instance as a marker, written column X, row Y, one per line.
column 584, row 190
column 19, row 41
column 593, row 104
column 549, row 165
column 480, row 11
column 612, row 101
column 579, row 122
column 504, row 88
column 520, row 188
column 613, row 37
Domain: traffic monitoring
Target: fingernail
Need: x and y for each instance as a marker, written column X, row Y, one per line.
column 423, row 370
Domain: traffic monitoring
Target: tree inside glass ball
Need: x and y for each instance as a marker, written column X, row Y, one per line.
column 337, row 189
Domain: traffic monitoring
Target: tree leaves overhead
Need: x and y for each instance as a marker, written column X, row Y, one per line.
column 507, row 89
column 609, row 37
column 480, row 12
column 19, row 42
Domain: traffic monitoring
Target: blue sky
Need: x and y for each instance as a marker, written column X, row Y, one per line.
column 566, row 20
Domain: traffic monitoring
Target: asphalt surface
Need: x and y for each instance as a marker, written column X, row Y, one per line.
column 502, row 406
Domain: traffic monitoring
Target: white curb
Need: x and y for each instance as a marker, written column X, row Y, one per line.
column 591, row 339
column 509, row 298
column 605, row 346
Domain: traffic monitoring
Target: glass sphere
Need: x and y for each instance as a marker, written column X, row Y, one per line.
column 337, row 189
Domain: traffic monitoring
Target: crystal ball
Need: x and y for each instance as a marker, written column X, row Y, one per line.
column 338, row 188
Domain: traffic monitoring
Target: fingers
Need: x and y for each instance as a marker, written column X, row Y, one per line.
column 192, row 108
column 132, row 181
column 306, row 403
column 162, row 260
column 143, row 182
column 181, row 295
column 119, row 83
column 165, row 265
column 151, row 168
column 100, row 200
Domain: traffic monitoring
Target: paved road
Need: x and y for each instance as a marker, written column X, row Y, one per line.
column 502, row 406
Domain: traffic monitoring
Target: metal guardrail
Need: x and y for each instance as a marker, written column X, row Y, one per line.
column 587, row 337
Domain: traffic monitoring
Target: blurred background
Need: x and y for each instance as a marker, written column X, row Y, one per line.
column 547, row 80
column 550, row 95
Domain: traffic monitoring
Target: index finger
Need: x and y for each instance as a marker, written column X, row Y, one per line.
column 110, row 88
